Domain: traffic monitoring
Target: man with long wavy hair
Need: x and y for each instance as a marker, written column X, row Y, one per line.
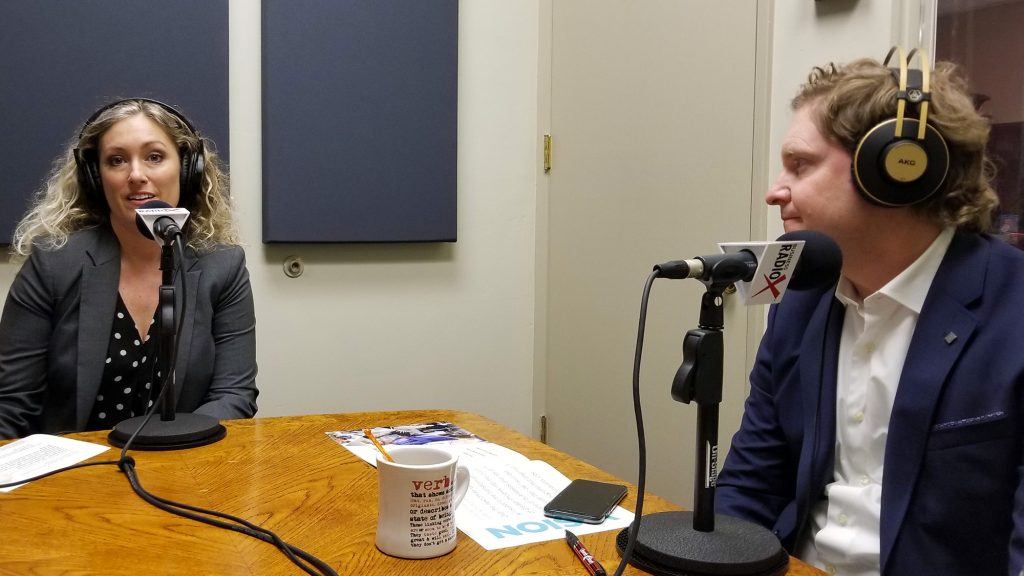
column 882, row 433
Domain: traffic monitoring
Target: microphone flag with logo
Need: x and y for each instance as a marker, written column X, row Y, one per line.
column 799, row 260
column 160, row 221
column 776, row 262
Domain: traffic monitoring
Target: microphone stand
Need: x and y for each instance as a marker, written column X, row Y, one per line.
column 172, row 431
column 701, row 543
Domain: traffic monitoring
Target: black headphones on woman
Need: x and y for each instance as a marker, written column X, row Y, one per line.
column 192, row 162
column 902, row 160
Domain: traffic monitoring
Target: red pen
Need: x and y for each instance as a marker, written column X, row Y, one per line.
column 593, row 567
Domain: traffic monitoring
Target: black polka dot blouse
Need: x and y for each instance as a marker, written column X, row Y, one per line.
column 128, row 382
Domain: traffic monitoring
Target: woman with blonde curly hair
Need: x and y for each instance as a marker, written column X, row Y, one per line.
column 75, row 346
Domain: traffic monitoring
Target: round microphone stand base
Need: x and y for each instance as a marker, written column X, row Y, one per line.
column 669, row 546
column 185, row 431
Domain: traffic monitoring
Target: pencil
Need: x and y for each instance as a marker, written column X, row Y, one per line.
column 369, row 434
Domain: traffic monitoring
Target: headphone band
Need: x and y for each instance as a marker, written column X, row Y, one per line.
column 926, row 94
column 918, row 95
column 901, row 103
column 166, row 107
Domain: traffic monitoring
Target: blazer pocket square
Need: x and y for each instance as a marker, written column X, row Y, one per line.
column 971, row 430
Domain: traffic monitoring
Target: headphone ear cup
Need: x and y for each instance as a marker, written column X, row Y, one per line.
column 89, row 179
column 193, row 165
column 893, row 171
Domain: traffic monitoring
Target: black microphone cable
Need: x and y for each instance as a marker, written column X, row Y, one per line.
column 634, row 529
column 126, row 464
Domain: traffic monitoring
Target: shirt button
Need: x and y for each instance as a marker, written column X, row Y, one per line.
column 869, row 347
column 831, row 568
column 864, row 480
column 858, row 417
column 844, row 519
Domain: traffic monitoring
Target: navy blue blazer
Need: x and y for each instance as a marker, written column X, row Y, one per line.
column 952, row 495
column 56, row 327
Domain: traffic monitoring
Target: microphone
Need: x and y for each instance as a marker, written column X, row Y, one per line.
column 726, row 268
column 671, row 543
column 162, row 222
column 158, row 220
column 764, row 270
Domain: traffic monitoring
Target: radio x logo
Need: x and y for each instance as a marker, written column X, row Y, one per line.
column 772, row 285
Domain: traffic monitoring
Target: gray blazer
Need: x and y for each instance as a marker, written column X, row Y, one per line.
column 56, row 328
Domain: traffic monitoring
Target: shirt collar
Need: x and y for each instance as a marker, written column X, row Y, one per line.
column 910, row 287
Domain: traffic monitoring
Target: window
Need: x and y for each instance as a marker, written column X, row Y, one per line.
column 984, row 37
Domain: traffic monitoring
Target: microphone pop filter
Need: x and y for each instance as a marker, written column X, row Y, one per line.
column 820, row 263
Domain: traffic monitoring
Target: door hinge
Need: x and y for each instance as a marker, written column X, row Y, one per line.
column 543, row 429
column 547, row 153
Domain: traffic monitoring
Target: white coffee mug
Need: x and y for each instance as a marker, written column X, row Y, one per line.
column 419, row 492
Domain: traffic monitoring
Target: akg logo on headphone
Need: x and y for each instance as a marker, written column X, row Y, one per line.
column 914, row 95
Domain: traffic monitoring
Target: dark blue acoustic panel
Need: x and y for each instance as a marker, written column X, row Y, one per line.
column 61, row 60
column 359, row 120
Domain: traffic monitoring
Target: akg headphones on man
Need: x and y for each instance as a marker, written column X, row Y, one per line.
column 192, row 161
column 903, row 161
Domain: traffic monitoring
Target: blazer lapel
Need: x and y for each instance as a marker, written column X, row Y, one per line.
column 818, row 356
column 100, row 274
column 943, row 329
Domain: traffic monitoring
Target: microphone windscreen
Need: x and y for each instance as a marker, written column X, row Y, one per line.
column 820, row 263
column 141, row 224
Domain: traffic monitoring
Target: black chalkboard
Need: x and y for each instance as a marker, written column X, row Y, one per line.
column 359, row 120
column 61, row 60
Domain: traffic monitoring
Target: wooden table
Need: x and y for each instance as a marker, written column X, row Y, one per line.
column 281, row 473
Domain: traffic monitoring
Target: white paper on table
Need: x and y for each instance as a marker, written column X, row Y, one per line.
column 505, row 506
column 42, row 453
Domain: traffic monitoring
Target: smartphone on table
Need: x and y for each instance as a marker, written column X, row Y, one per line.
column 585, row 501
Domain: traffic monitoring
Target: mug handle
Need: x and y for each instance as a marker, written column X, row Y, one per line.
column 461, row 485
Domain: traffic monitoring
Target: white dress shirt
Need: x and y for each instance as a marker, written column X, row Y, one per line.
column 842, row 536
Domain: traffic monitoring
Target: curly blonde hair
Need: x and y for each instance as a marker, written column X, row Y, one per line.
column 848, row 100
column 61, row 207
